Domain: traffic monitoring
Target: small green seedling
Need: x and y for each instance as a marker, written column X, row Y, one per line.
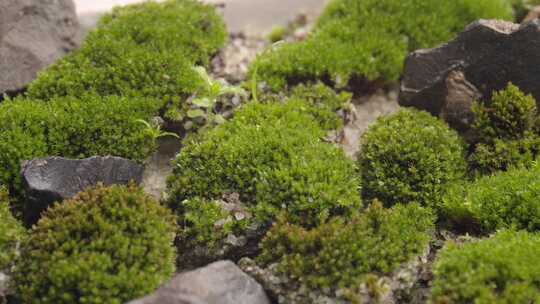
column 209, row 98
column 154, row 130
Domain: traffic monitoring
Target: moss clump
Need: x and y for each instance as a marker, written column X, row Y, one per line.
column 323, row 103
column 145, row 50
column 369, row 39
column 341, row 253
column 506, row 132
column 271, row 155
column 11, row 233
column 505, row 200
column 501, row 269
column 107, row 245
column 409, row 157
column 75, row 127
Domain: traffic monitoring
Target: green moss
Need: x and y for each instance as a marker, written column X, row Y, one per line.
column 107, row 245
column 323, row 103
column 506, row 132
column 501, row 269
column 271, row 155
column 409, row 157
column 186, row 26
column 341, row 253
column 505, row 200
column 370, row 39
column 74, row 127
column 139, row 50
column 278, row 33
column 11, row 233
column 207, row 222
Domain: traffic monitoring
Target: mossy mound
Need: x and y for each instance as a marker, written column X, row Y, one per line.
column 501, row 269
column 106, row 245
column 506, row 132
column 270, row 154
column 271, row 157
column 341, row 253
column 11, row 233
column 409, row 157
column 506, row 200
column 369, row 39
column 74, row 127
column 141, row 50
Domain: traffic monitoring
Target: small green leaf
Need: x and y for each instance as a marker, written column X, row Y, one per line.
column 203, row 102
column 195, row 113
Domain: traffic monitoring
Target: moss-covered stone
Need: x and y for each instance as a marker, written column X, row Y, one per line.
column 272, row 156
column 106, row 245
column 344, row 252
column 501, row 269
column 369, row 39
column 410, row 157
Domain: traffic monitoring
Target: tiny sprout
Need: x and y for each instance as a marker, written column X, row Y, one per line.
column 154, row 130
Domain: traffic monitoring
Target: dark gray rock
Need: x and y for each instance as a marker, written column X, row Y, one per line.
column 54, row 179
column 484, row 57
column 218, row 283
column 33, row 34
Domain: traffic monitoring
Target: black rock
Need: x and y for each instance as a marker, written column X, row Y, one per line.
column 33, row 34
column 484, row 57
column 54, row 179
column 218, row 283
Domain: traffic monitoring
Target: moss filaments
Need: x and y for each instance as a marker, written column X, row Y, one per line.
column 369, row 39
column 105, row 245
column 501, row 269
column 410, row 157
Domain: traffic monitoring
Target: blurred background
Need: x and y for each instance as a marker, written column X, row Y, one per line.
column 253, row 17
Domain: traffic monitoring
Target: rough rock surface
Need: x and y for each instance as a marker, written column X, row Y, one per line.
column 483, row 58
column 33, row 34
column 55, row 178
column 218, row 283
column 233, row 60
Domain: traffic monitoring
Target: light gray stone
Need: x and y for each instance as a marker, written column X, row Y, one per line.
column 218, row 283
column 33, row 34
